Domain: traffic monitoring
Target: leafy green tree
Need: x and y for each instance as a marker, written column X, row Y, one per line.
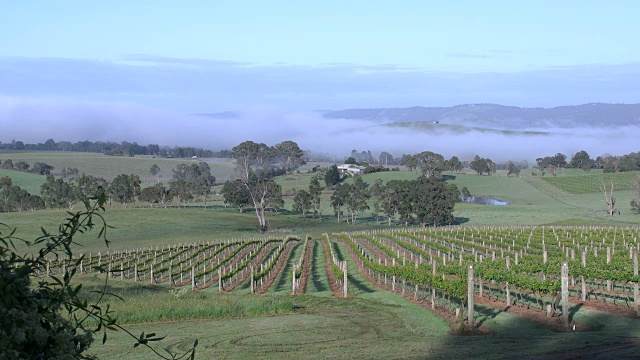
column 512, row 169
column 351, row 161
column 181, row 190
column 358, row 197
column 257, row 164
column 410, row 161
column 339, row 199
column 198, row 178
column 482, row 166
column 236, row 194
column 288, row 156
column 125, row 189
column 57, row 193
column 301, row 202
column 21, row 166
column 156, row 194
column 635, row 203
column 431, row 164
column 404, row 193
column 155, row 171
column 376, row 197
column 89, row 186
column 434, row 202
column 7, row 164
column 332, row 175
column 454, row 164
column 465, row 194
column 315, row 194
column 582, row 160
column 388, row 201
column 41, row 168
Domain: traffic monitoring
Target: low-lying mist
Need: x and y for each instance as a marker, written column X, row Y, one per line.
column 36, row 120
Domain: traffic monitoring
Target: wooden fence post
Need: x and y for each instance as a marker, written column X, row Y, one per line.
column 433, row 289
column 253, row 290
column 636, row 296
column 565, row 292
column 344, row 283
column 293, row 282
column 470, row 302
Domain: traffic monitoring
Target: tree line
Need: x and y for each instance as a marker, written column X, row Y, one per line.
column 123, row 148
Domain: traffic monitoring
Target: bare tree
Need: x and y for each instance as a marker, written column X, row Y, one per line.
column 609, row 199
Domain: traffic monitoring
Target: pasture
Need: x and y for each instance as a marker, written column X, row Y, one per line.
column 108, row 167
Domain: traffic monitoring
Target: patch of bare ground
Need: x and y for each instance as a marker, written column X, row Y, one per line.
column 605, row 307
column 259, row 258
column 306, row 268
column 333, row 283
column 277, row 268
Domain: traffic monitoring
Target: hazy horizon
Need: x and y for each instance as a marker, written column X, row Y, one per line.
column 129, row 71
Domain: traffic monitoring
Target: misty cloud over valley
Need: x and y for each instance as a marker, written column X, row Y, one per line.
column 36, row 120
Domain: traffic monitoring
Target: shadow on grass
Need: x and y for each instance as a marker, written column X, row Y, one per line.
column 315, row 277
column 283, row 281
column 361, row 286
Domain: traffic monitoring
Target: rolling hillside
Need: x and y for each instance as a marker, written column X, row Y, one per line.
column 503, row 117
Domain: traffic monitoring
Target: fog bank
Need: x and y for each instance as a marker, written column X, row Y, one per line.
column 35, row 120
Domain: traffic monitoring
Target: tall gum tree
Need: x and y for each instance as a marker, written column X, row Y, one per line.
column 257, row 164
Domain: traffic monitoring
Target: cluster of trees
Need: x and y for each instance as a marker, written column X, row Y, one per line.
column 628, row 162
column 365, row 158
column 189, row 182
column 124, row 148
column 39, row 168
column 13, row 198
column 310, row 200
column 582, row 160
column 482, row 166
column 425, row 200
column 193, row 181
column 431, row 164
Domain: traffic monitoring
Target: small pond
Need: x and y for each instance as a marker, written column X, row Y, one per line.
column 486, row 201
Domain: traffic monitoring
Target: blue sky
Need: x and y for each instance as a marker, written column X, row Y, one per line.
column 81, row 59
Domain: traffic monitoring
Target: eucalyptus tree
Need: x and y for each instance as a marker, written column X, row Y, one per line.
column 315, row 195
column 125, row 189
column 301, row 202
column 431, row 164
column 257, row 165
column 358, row 197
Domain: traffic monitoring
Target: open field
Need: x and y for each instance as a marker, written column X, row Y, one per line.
column 592, row 183
column 108, row 167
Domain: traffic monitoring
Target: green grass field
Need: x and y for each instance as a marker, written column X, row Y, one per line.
column 583, row 184
column 109, row 167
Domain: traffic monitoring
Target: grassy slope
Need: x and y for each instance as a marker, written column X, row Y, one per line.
column 27, row 181
column 110, row 166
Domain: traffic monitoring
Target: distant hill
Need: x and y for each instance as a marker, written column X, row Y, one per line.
column 503, row 117
column 221, row 115
column 432, row 128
